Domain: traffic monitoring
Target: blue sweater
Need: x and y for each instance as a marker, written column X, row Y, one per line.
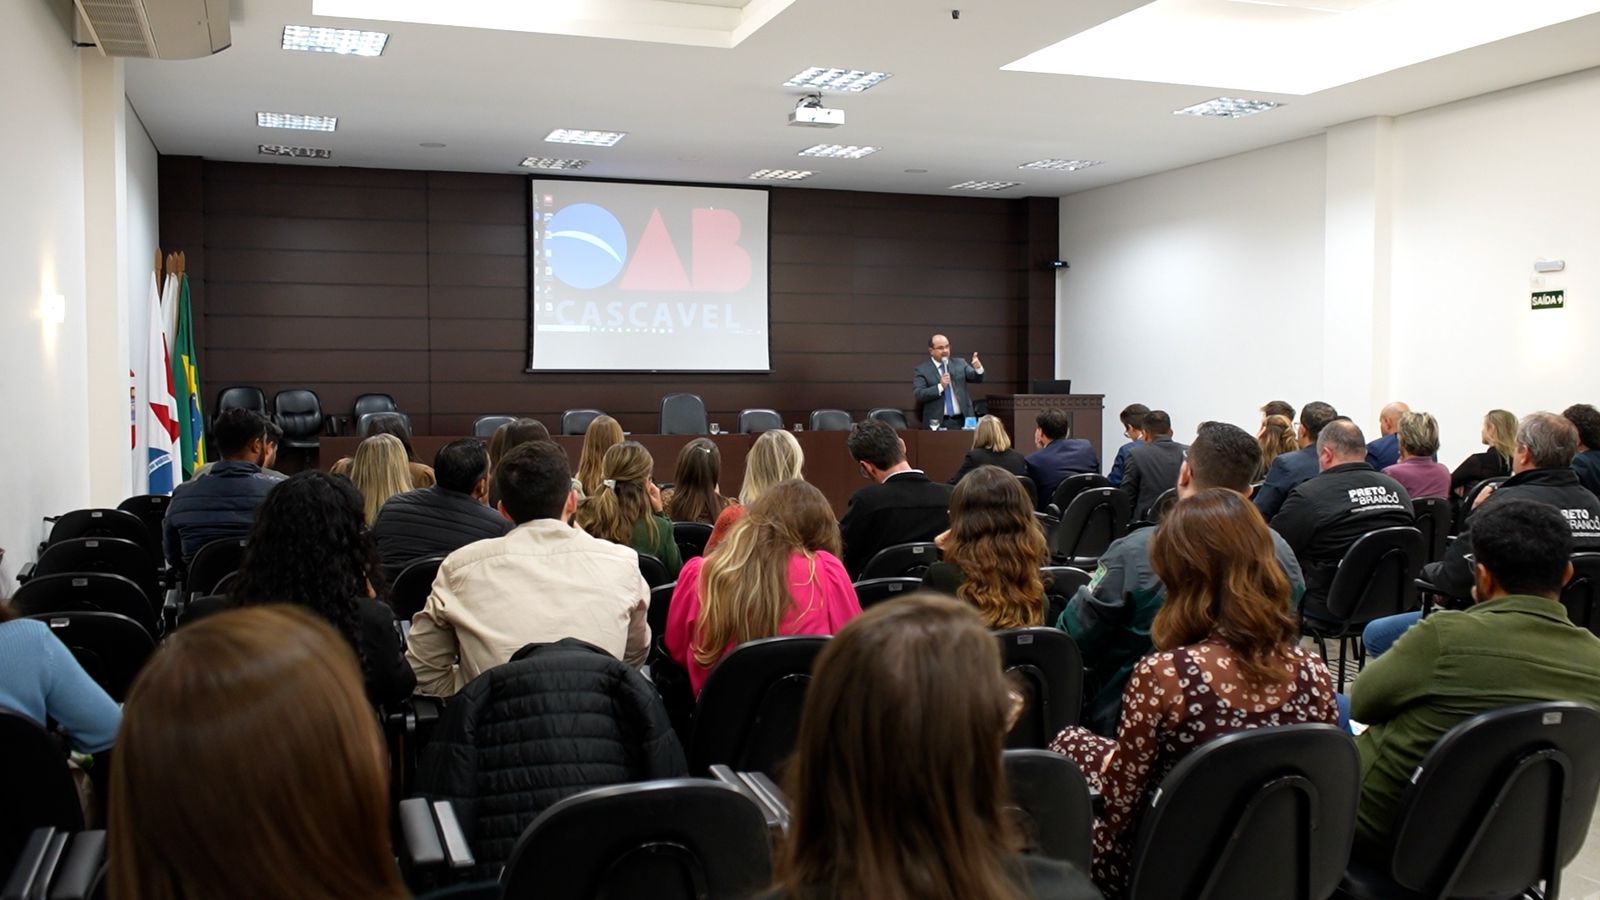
column 39, row 678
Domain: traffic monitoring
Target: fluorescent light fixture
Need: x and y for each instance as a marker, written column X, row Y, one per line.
column 1060, row 165
column 780, row 174
column 587, row 138
column 545, row 162
column 985, row 185
column 1289, row 46
column 852, row 81
column 839, row 151
column 295, row 152
column 296, row 121
column 1227, row 108
column 344, row 41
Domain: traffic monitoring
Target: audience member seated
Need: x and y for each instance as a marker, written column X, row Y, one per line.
column 1417, row 471
column 776, row 456
column 505, row 437
column 1516, row 645
column 1132, row 418
column 1500, row 435
column 250, row 765
column 542, row 582
column 1586, row 463
column 1152, row 469
column 1059, row 454
column 695, row 495
column 1228, row 660
column 1277, row 408
column 40, row 679
column 1276, row 437
column 993, row 550
column 391, row 424
column 778, row 572
column 897, row 788
column 1289, row 469
column 379, row 471
column 273, row 438
column 602, row 434
column 309, row 547
column 901, row 506
column 991, row 446
column 436, row 520
column 1110, row 617
column 1385, row 451
column 1326, row 514
column 626, row 508
column 222, row 504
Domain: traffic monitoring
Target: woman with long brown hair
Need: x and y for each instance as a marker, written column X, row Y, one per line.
column 897, row 787
column 695, row 495
column 507, row 436
column 778, row 572
column 993, row 551
column 250, row 765
column 1277, row 437
column 625, row 507
column 1227, row 659
column 602, row 434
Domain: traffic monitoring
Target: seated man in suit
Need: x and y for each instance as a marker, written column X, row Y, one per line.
column 901, row 506
column 1059, row 454
column 437, row 520
column 1152, row 468
column 1586, row 463
column 940, row 385
column 1385, row 451
column 1132, row 418
column 1289, row 469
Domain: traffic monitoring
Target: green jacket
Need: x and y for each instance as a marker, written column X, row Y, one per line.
column 653, row 535
column 1446, row 669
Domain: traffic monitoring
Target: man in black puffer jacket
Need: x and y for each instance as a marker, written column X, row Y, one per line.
column 438, row 520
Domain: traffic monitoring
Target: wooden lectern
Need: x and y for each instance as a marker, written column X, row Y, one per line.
column 1019, row 412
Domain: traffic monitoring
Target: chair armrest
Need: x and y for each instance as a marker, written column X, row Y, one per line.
column 36, row 867
column 432, row 834
column 84, row 861
column 761, row 791
column 26, row 572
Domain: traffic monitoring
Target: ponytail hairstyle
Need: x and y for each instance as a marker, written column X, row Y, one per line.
column 622, row 498
column 602, row 434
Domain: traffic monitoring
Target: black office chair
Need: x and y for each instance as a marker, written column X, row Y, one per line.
column 58, row 864
column 691, row 538
column 1164, row 502
column 1581, row 596
column 685, row 838
column 1465, row 508
column 111, row 556
column 211, row 563
column 240, row 397
column 830, row 420
column 111, row 648
column 87, row 592
column 1499, row 805
column 749, row 709
column 896, row 418
column 1268, row 812
column 1051, row 801
column 576, row 421
column 151, row 510
column 683, row 414
column 367, row 404
column 1032, row 489
column 654, row 570
column 486, row 426
column 901, row 561
column 660, row 604
column 411, row 587
column 1376, row 578
column 1045, row 666
column 872, row 591
column 299, row 413
column 1070, row 487
column 105, row 523
column 367, row 424
column 756, row 421
column 36, row 788
column 1432, row 516
column 1094, row 519
column 1060, row 583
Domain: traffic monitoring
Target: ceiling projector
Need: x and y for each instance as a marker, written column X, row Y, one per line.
column 810, row 113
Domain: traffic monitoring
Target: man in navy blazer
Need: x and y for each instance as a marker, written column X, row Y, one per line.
column 1289, row 469
column 1385, row 451
column 1059, row 454
column 940, row 385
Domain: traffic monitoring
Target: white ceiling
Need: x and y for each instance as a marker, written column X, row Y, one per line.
column 703, row 114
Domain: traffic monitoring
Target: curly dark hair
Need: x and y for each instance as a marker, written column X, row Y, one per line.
column 310, row 546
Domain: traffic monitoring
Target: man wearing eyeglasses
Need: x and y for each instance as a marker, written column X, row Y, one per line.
column 940, row 385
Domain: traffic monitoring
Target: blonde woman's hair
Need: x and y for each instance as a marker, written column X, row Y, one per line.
column 380, row 470
column 744, row 585
column 775, row 457
column 1502, row 431
column 621, row 499
column 602, row 434
column 1277, row 438
column 991, row 435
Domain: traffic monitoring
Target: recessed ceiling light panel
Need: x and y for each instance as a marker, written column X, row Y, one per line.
column 296, row 152
column 545, row 162
column 1060, row 165
column 780, row 174
column 818, row 78
column 839, row 151
column 587, row 138
column 344, row 41
column 296, row 121
column 1227, row 108
column 985, row 185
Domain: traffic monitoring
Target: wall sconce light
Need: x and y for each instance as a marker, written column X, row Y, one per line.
column 55, row 309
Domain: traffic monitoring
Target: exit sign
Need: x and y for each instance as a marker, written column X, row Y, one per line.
column 1549, row 299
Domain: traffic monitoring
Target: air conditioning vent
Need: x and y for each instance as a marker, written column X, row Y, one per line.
column 156, row 29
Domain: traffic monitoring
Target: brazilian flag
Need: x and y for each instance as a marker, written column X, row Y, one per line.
column 186, row 386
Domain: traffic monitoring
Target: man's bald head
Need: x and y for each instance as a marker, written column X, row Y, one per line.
column 1340, row 442
column 1389, row 417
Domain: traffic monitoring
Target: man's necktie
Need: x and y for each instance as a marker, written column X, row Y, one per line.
column 949, row 392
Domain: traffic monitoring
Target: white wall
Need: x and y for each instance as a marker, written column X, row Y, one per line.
column 143, row 237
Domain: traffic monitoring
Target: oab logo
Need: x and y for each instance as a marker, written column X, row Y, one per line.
column 589, row 249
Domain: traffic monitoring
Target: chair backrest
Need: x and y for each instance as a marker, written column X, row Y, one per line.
column 901, row 561
column 748, row 715
column 1060, row 583
column 486, row 426
column 691, row 538
column 683, row 414
column 654, row 570
column 1093, row 519
column 1071, row 486
column 755, row 421
column 411, row 587
column 112, row 556
column 1465, row 508
column 36, row 788
column 1051, row 800
column 895, row 417
column 241, row 397
column 1502, row 800
column 111, row 648
column 1268, row 812
column 1432, row 515
column 86, row 592
column 299, row 413
column 1032, row 489
column 1581, row 596
column 1045, row 666
column 106, row 523
column 211, row 563
column 830, row 420
column 576, row 421
column 367, row 423
column 1377, row 576
column 872, row 591
column 366, row 404
column 677, row 838
column 151, row 510
column 1163, row 503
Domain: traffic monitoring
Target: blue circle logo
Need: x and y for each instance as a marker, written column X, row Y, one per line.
column 587, row 245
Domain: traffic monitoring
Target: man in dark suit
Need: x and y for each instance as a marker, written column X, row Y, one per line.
column 1152, row 467
column 1385, row 451
column 901, row 506
column 1059, row 454
column 1289, row 469
column 940, row 385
